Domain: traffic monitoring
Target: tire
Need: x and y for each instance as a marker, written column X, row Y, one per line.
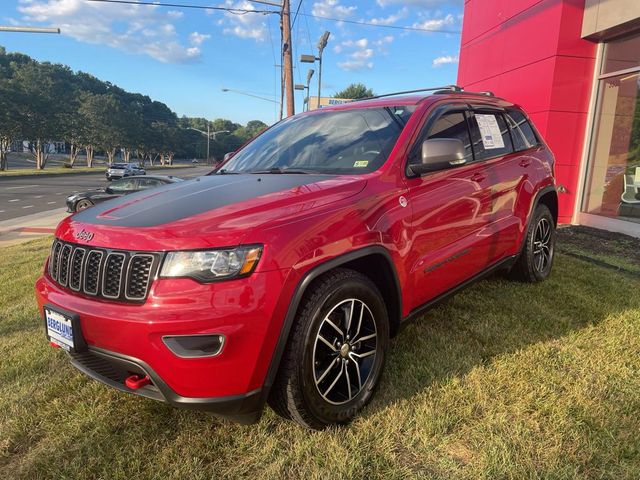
column 321, row 380
column 82, row 204
column 536, row 259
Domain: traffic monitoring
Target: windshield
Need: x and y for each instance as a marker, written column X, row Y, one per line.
column 337, row 142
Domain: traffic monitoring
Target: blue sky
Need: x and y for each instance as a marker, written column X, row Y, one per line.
column 185, row 57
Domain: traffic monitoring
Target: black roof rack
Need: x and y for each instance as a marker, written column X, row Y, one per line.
column 448, row 89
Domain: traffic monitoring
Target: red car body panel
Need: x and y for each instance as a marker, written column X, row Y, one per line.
column 454, row 225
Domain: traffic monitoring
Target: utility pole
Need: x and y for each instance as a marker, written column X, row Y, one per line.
column 208, row 141
column 287, row 50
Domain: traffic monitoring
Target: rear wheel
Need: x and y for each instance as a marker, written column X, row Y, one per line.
column 335, row 354
column 536, row 259
column 82, row 204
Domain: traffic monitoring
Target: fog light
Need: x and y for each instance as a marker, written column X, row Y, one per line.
column 194, row 346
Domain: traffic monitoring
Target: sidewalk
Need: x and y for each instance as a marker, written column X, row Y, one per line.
column 28, row 227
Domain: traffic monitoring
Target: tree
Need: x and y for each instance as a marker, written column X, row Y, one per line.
column 41, row 86
column 10, row 121
column 355, row 91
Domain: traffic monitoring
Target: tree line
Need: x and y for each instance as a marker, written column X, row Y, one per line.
column 41, row 102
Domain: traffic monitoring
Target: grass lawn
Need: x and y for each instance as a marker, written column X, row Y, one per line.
column 503, row 381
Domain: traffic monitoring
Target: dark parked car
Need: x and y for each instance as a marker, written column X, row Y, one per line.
column 80, row 201
column 121, row 170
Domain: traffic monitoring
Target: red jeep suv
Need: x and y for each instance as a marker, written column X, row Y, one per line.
column 280, row 277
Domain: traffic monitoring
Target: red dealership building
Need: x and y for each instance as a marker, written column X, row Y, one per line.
column 574, row 65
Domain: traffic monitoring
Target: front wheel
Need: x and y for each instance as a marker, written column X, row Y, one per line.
column 82, row 204
column 335, row 354
column 536, row 259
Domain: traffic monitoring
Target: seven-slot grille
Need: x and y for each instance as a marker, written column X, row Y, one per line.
column 111, row 274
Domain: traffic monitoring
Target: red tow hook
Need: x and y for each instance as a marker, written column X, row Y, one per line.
column 134, row 382
column 54, row 344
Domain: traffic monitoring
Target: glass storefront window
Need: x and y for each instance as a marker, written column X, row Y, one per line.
column 613, row 181
column 613, row 178
column 621, row 54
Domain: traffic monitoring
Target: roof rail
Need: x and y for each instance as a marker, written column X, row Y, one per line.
column 485, row 93
column 447, row 89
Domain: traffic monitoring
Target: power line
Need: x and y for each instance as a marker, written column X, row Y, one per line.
column 369, row 24
column 296, row 15
column 242, row 11
column 238, row 11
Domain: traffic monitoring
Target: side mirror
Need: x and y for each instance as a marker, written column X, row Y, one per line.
column 228, row 155
column 108, row 190
column 440, row 154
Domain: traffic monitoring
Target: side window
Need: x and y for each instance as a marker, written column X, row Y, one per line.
column 145, row 183
column 452, row 125
column 523, row 135
column 490, row 135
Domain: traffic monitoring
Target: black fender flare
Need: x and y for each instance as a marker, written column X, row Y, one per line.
column 532, row 208
column 298, row 294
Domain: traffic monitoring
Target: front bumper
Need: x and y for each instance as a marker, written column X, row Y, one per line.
column 125, row 339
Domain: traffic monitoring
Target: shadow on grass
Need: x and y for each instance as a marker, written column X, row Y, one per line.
column 496, row 317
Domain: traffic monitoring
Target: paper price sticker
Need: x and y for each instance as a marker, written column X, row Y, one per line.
column 490, row 131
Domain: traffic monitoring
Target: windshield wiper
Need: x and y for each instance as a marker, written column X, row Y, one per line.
column 226, row 172
column 280, row 171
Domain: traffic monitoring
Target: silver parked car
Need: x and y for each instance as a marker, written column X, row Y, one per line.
column 121, row 170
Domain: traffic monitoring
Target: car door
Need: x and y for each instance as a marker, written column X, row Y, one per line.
column 449, row 210
column 504, row 170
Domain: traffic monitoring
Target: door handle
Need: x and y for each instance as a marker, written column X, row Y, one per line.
column 525, row 162
column 478, row 177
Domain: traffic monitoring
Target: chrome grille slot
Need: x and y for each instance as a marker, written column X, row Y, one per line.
column 112, row 275
column 75, row 269
column 139, row 276
column 63, row 265
column 102, row 273
column 54, row 260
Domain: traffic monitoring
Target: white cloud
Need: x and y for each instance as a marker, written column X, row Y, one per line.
column 421, row 3
column 355, row 65
column 332, row 9
column 391, row 19
column 198, row 39
column 383, row 41
column 359, row 56
column 136, row 29
column 248, row 26
column 444, row 60
column 435, row 23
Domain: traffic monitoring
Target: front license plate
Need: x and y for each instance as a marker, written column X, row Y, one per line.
column 60, row 329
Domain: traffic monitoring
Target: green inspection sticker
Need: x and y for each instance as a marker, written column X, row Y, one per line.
column 361, row 163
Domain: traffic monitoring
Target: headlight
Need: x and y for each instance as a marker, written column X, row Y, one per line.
column 212, row 265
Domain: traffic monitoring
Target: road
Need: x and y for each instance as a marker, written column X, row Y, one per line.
column 34, row 194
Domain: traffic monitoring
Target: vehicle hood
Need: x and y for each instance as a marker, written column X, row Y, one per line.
column 216, row 210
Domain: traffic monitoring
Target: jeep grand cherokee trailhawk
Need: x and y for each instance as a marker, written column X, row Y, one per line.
column 279, row 277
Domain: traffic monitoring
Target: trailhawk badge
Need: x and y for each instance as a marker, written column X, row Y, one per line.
column 84, row 235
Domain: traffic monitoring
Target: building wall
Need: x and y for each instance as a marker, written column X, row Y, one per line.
column 604, row 18
column 531, row 52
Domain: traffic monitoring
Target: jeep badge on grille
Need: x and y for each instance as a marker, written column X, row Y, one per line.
column 84, row 235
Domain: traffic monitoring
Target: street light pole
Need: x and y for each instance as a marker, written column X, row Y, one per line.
column 322, row 43
column 321, row 46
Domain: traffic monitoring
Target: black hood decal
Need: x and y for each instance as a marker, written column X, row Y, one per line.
column 184, row 199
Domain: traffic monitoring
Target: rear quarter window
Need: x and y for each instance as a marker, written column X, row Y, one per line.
column 523, row 135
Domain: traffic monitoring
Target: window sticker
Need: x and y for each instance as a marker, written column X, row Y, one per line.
column 361, row 163
column 489, row 131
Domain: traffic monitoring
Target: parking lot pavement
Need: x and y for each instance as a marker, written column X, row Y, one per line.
column 24, row 196
column 28, row 227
